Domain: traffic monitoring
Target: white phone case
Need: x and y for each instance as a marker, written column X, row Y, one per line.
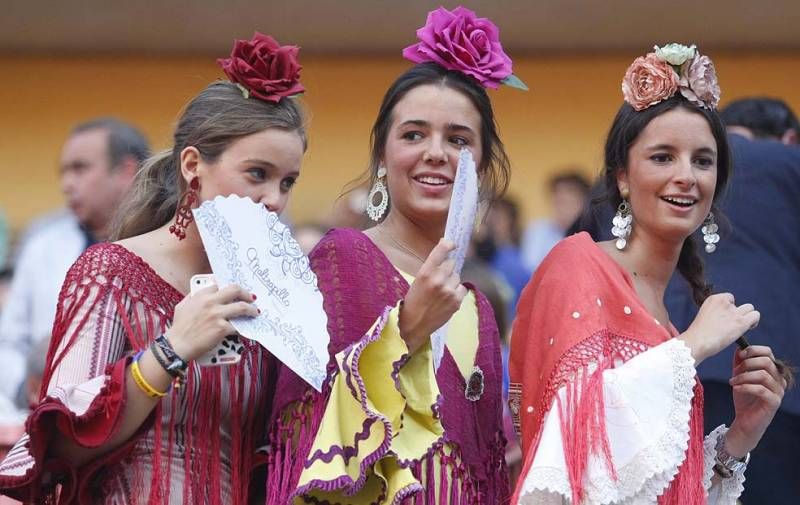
column 229, row 350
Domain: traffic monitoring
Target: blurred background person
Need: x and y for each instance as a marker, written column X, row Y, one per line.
column 497, row 242
column 758, row 260
column 350, row 209
column 98, row 162
column 4, row 242
column 568, row 191
column 308, row 234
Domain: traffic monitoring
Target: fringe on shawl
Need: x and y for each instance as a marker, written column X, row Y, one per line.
column 144, row 305
column 583, row 427
column 583, row 431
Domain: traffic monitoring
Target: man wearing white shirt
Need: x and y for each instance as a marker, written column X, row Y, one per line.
column 98, row 163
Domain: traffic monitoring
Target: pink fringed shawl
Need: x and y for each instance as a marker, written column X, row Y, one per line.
column 560, row 336
column 358, row 283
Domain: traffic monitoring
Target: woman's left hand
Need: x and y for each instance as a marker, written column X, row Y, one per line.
column 758, row 389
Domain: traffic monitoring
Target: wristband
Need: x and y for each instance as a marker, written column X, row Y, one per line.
column 140, row 381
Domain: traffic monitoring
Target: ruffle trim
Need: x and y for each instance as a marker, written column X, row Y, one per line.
column 731, row 488
column 344, row 482
column 650, row 472
column 98, row 421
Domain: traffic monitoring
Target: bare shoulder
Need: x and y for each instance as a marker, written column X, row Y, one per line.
column 147, row 245
column 160, row 252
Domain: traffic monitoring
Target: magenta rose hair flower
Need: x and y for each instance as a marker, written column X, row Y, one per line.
column 699, row 82
column 263, row 68
column 459, row 40
column 648, row 81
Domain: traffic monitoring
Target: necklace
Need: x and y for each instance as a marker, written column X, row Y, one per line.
column 400, row 245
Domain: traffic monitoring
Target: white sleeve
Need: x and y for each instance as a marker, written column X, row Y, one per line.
column 647, row 404
column 723, row 491
column 16, row 326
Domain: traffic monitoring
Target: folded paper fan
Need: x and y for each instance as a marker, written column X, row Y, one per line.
column 460, row 224
column 247, row 245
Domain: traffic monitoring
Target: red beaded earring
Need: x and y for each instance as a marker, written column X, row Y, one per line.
column 183, row 215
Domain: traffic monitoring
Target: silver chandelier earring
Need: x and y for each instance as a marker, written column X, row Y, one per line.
column 710, row 235
column 622, row 224
column 375, row 211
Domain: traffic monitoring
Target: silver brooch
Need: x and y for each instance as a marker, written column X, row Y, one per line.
column 474, row 389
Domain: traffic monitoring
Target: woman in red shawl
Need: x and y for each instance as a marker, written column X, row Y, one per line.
column 109, row 428
column 386, row 429
column 603, row 387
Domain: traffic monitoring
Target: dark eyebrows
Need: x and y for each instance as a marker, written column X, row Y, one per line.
column 453, row 127
column 414, row 122
column 459, row 128
column 668, row 147
column 707, row 150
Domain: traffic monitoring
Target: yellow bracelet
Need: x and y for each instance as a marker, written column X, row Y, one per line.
column 140, row 381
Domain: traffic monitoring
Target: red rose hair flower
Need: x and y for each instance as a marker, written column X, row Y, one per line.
column 264, row 68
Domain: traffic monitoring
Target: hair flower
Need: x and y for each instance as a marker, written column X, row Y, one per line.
column 657, row 76
column 675, row 54
column 699, row 82
column 264, row 68
column 648, row 81
column 459, row 40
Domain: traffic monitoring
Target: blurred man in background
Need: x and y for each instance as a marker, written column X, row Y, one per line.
column 758, row 261
column 568, row 193
column 98, row 163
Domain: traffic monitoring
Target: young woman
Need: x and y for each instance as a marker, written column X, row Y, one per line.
column 387, row 430
column 604, row 386
column 110, row 427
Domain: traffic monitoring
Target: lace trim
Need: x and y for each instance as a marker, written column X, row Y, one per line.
column 653, row 468
column 729, row 489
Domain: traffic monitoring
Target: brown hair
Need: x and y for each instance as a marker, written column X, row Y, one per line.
column 211, row 122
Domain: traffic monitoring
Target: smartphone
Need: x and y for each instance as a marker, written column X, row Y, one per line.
column 229, row 350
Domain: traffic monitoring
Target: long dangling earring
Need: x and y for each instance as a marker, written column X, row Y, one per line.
column 376, row 211
column 183, row 214
column 710, row 235
column 622, row 222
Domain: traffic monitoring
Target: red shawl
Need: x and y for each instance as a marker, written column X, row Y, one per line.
column 581, row 309
column 112, row 304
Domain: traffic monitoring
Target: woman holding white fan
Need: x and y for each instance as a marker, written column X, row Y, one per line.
column 127, row 416
column 387, row 428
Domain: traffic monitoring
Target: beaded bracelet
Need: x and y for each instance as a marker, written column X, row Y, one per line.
column 140, row 381
column 172, row 363
column 178, row 375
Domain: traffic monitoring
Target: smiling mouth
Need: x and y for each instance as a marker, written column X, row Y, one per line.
column 433, row 181
column 680, row 202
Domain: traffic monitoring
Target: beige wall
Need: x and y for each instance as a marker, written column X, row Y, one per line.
column 560, row 122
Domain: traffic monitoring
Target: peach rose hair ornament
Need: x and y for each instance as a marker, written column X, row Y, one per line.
column 667, row 70
column 459, row 40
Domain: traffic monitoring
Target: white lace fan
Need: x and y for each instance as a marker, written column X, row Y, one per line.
column 460, row 224
column 247, row 245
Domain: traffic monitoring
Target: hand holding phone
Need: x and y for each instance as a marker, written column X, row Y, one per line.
column 229, row 350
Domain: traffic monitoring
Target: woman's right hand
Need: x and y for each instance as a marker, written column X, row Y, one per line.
column 434, row 296
column 717, row 325
column 202, row 320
